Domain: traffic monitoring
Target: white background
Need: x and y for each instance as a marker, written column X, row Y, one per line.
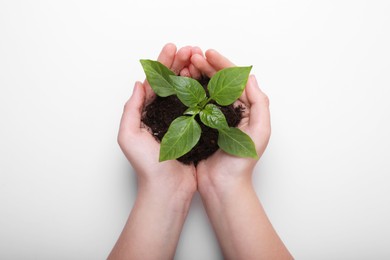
column 67, row 68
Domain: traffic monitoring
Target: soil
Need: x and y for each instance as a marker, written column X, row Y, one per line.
column 159, row 114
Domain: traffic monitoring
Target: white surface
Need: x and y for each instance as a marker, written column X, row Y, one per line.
column 67, row 67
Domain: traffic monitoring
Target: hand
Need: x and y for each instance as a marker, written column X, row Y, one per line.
column 222, row 168
column 141, row 148
column 242, row 228
column 165, row 189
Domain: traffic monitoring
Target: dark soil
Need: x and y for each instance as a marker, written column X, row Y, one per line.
column 159, row 114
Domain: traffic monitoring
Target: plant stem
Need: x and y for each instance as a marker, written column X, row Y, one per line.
column 204, row 103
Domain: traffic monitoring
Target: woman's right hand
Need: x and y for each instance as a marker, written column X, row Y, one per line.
column 222, row 169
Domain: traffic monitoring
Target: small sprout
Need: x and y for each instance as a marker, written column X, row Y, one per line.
column 225, row 87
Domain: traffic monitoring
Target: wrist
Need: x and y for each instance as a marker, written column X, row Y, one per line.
column 175, row 194
column 223, row 185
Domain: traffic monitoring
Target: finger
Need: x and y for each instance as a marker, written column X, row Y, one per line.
column 202, row 65
column 185, row 73
column 217, row 60
column 181, row 60
column 195, row 73
column 131, row 117
column 149, row 93
column 167, row 54
column 259, row 117
column 197, row 50
column 244, row 98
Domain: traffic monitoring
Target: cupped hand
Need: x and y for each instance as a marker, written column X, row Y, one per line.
column 140, row 147
column 222, row 169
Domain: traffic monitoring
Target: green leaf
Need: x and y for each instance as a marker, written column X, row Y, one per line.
column 182, row 135
column 188, row 90
column 192, row 111
column 213, row 117
column 158, row 77
column 227, row 85
column 236, row 142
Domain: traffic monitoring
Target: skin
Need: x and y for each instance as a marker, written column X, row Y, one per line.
column 165, row 189
column 225, row 182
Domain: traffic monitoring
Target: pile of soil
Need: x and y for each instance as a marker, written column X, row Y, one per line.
column 159, row 114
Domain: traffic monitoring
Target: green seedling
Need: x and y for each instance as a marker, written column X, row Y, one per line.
column 225, row 87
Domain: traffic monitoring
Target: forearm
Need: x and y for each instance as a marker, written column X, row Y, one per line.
column 242, row 227
column 153, row 228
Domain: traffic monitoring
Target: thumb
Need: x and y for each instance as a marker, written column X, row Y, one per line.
column 131, row 117
column 259, row 117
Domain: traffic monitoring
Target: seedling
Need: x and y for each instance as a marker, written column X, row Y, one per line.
column 225, row 87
